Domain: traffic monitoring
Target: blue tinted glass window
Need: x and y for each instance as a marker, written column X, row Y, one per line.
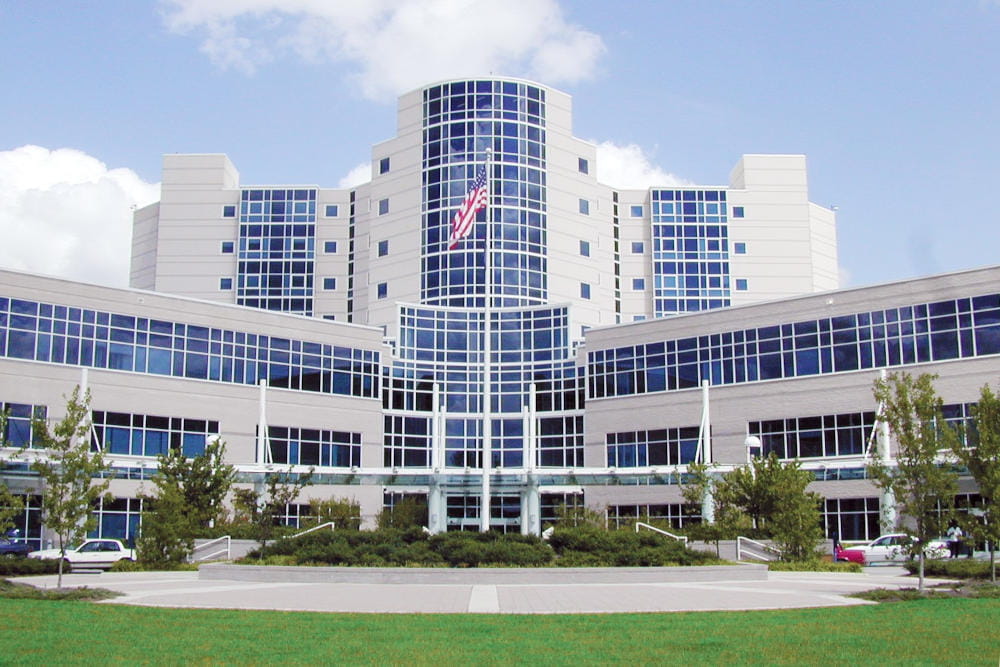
column 585, row 248
column 382, row 290
column 225, row 283
column 329, row 247
column 585, row 290
column 331, row 211
column 383, row 248
column 584, row 166
column 738, row 212
column 740, row 248
column 329, row 283
column 584, row 207
column 383, row 165
column 383, row 206
column 635, row 211
column 228, row 211
column 638, row 283
column 228, row 247
column 741, row 284
column 637, row 247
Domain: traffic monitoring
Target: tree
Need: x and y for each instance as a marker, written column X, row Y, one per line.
column 577, row 515
column 189, row 496
column 728, row 520
column 345, row 513
column 11, row 505
column 919, row 480
column 262, row 507
column 773, row 494
column 68, row 470
column 408, row 512
column 980, row 454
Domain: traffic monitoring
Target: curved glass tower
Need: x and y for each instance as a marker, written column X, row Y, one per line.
column 484, row 357
column 463, row 122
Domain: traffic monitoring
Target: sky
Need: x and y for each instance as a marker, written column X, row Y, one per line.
column 895, row 104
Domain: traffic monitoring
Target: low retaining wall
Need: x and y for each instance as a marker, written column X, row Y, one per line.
column 481, row 575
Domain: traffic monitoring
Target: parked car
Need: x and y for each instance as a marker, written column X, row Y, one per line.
column 891, row 548
column 11, row 548
column 850, row 555
column 91, row 554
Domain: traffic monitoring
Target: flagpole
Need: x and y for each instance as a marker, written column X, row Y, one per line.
column 487, row 462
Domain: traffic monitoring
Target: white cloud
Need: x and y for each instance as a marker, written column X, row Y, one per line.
column 629, row 167
column 361, row 173
column 64, row 213
column 394, row 45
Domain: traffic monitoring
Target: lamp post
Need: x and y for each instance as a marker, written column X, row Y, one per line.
column 752, row 442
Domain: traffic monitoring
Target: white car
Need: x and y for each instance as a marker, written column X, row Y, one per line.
column 90, row 554
column 895, row 548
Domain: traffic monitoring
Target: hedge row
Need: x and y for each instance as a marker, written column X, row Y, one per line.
column 570, row 547
column 12, row 567
column 954, row 568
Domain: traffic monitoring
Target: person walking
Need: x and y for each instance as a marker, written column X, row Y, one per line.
column 954, row 535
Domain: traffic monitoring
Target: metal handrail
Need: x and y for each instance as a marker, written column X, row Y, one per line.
column 681, row 538
column 332, row 525
column 765, row 547
column 227, row 551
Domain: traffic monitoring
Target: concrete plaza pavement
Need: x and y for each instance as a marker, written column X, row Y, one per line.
column 775, row 590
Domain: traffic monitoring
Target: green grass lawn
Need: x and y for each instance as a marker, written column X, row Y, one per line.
column 919, row 632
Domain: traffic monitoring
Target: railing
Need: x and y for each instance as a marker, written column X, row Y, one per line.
column 681, row 538
column 331, row 524
column 768, row 553
column 227, row 552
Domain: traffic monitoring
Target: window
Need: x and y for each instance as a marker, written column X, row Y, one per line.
column 584, row 207
column 383, row 248
column 225, row 283
column 383, row 165
column 741, row 284
column 382, row 290
column 331, row 211
column 329, row 247
column 229, row 211
column 637, row 247
column 635, row 211
column 583, row 165
column 740, row 248
column 227, row 247
column 329, row 283
column 585, row 248
column 737, row 211
column 585, row 290
column 383, row 206
column 330, row 317
column 638, row 318
column 638, row 284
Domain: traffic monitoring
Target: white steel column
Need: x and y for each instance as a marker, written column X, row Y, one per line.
column 883, row 450
column 263, row 441
column 704, row 453
column 530, row 501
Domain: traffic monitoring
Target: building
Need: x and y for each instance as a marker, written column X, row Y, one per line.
column 335, row 329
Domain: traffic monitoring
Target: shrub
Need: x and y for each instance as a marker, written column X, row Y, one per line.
column 813, row 566
column 139, row 566
column 10, row 567
column 10, row 589
column 586, row 545
column 958, row 568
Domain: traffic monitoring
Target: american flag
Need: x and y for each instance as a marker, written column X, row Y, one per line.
column 461, row 224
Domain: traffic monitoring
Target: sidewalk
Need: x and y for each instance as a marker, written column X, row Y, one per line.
column 780, row 590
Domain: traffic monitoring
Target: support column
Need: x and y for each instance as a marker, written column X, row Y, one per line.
column 883, row 449
column 263, row 445
column 436, row 509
